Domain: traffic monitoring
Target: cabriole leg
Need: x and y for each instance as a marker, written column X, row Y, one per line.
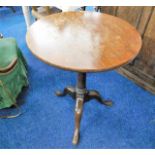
column 78, row 114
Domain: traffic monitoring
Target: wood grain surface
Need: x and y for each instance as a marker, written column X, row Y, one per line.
column 142, row 69
column 83, row 41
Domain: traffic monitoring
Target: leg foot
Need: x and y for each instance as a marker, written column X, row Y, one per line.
column 78, row 113
column 93, row 94
column 68, row 90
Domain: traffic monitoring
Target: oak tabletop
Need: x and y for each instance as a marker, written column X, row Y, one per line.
column 83, row 41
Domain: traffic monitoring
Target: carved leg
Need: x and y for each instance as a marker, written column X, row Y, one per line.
column 93, row 94
column 68, row 90
column 81, row 94
column 78, row 114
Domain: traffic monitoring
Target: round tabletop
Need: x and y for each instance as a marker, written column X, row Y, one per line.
column 83, row 41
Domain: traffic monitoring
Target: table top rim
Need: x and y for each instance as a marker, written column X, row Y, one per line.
column 79, row 69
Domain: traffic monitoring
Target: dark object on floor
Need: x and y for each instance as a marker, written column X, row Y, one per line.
column 142, row 69
column 11, row 7
column 1, row 36
column 13, row 74
column 83, row 8
column 97, row 8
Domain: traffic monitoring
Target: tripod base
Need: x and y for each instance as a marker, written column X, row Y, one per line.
column 81, row 95
column 87, row 95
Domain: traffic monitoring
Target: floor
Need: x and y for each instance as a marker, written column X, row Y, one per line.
column 48, row 121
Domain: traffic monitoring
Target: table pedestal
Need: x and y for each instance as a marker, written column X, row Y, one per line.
column 81, row 95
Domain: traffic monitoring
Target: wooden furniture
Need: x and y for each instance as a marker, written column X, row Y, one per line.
column 83, row 42
column 142, row 69
column 42, row 11
column 27, row 16
column 71, row 8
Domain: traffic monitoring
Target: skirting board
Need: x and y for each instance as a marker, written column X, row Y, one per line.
column 137, row 79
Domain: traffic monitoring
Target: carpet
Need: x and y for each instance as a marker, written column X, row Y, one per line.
column 48, row 121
